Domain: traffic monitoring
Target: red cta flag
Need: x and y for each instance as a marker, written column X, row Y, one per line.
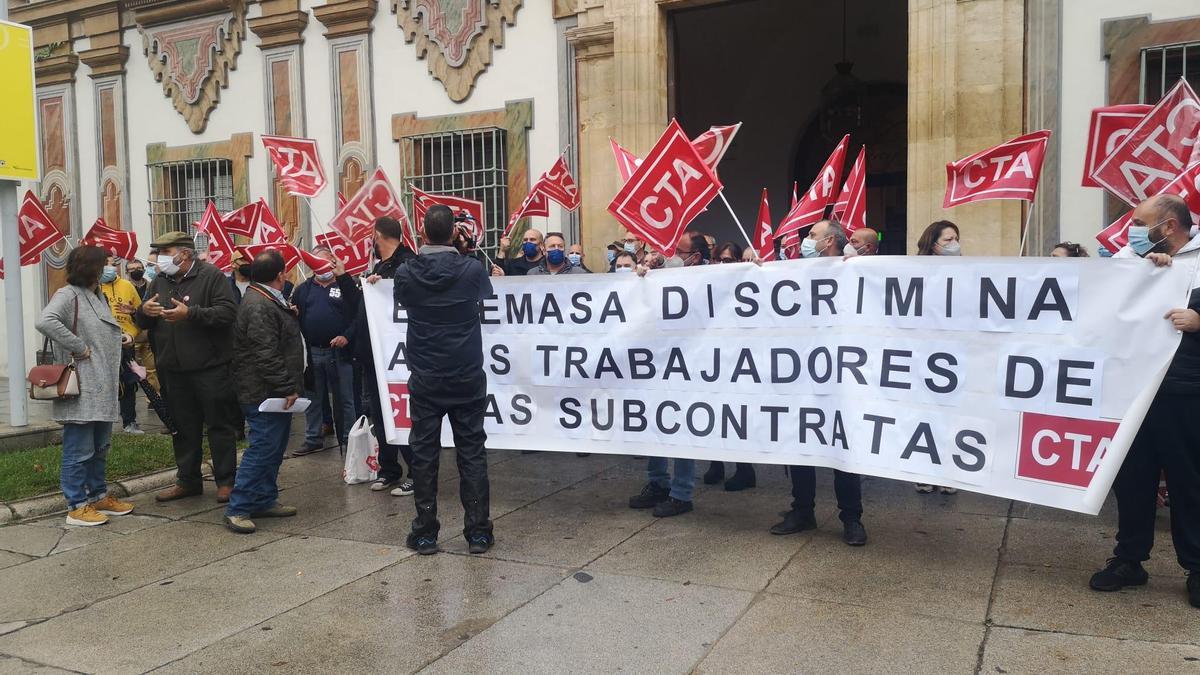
column 269, row 230
column 375, row 199
column 120, row 243
column 1109, row 126
column 810, row 209
column 851, row 206
column 243, row 221
column 422, row 200
column 764, row 244
column 558, row 184
column 291, row 254
column 36, row 231
column 627, row 162
column 712, row 144
column 220, row 244
column 355, row 257
column 534, row 204
column 315, row 262
column 1007, row 171
column 668, row 190
column 341, row 199
column 1186, row 185
column 1154, row 151
column 297, row 164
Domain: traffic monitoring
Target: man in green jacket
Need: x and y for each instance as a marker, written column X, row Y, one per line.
column 268, row 358
column 189, row 311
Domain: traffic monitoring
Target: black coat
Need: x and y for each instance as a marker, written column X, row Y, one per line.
column 359, row 334
column 268, row 350
column 442, row 291
column 205, row 338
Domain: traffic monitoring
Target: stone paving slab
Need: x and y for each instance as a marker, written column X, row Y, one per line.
column 191, row 610
column 127, row 524
column 603, row 623
column 930, row 563
column 1081, row 545
column 49, row 586
column 395, row 620
column 8, row 559
column 10, row 665
column 791, row 635
column 1058, row 599
column 1022, row 651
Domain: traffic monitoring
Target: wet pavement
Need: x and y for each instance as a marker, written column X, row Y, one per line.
column 578, row 582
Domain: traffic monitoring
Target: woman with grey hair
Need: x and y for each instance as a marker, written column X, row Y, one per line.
column 81, row 326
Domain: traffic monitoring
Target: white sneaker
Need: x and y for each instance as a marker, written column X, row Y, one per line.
column 133, row 428
column 404, row 489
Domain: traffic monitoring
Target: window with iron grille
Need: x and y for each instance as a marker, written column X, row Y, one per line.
column 471, row 163
column 180, row 191
column 1163, row 66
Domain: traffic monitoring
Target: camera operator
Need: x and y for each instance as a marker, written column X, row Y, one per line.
column 442, row 290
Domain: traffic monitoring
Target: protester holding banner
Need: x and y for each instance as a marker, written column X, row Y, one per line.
column 327, row 304
column 82, row 330
column 555, row 260
column 390, row 254
column 1168, row 440
column 1068, row 249
column 124, row 300
column 847, row 487
column 189, row 311
column 268, row 363
column 865, row 241
column 575, row 256
column 940, row 238
column 530, row 257
column 442, row 291
column 624, row 262
column 729, row 252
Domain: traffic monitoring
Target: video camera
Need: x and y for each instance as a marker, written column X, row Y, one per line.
column 464, row 233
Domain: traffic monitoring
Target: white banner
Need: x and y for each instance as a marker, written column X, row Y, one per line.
column 1020, row 378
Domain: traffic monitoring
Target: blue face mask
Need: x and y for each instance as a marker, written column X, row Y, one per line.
column 808, row 248
column 108, row 274
column 630, row 247
column 612, row 256
column 529, row 249
column 1139, row 238
column 151, row 273
column 575, row 258
column 555, row 256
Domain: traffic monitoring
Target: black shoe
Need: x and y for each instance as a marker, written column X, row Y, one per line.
column 1193, row 586
column 480, row 543
column 1118, row 574
column 715, row 473
column 743, row 479
column 854, row 534
column 650, row 496
column 671, row 507
column 307, row 449
column 795, row 521
column 421, row 544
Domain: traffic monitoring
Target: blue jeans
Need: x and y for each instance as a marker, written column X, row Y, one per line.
column 85, row 454
column 333, row 373
column 256, row 487
column 685, row 476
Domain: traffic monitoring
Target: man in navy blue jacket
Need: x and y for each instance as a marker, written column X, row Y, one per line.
column 442, row 291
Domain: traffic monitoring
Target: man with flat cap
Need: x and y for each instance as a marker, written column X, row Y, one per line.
column 190, row 310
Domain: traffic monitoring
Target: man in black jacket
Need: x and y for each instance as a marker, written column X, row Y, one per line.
column 442, row 291
column 189, row 311
column 268, row 363
column 391, row 254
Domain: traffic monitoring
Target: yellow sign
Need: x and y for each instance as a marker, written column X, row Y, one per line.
column 18, row 114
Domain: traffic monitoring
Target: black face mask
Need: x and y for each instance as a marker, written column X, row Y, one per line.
column 375, row 249
column 137, row 275
column 244, row 270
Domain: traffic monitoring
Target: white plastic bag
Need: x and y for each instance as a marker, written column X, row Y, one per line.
column 362, row 454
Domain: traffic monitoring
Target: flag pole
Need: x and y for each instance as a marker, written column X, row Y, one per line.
column 736, row 221
column 1025, row 232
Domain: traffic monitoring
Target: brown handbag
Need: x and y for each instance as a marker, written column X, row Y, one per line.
column 54, row 381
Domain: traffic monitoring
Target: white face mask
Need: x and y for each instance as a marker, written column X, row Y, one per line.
column 575, row 258
column 952, row 248
column 808, row 248
column 325, row 276
column 620, row 270
column 849, row 250
column 166, row 265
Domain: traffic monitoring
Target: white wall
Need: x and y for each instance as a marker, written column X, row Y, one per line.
column 1084, row 87
column 526, row 67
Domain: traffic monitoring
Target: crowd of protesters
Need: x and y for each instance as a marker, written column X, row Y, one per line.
column 191, row 331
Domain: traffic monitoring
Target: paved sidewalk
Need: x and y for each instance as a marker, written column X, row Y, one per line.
column 580, row 583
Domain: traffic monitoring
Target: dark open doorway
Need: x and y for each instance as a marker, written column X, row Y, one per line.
column 773, row 65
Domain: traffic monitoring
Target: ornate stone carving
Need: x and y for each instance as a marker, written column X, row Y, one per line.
column 456, row 36
column 192, row 60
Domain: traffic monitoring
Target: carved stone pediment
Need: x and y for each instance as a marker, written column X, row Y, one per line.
column 192, row 59
column 456, row 36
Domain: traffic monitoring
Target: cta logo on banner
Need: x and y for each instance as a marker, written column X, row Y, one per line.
column 269, row 231
column 220, row 244
column 1062, row 450
column 714, row 143
column 422, row 200
column 851, row 206
column 1007, row 171
column 1109, row 126
column 764, row 245
column 1156, row 150
column 670, row 187
column 398, row 394
column 244, row 221
column 297, row 164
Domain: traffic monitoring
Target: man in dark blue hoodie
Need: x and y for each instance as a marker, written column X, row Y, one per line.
column 442, row 291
